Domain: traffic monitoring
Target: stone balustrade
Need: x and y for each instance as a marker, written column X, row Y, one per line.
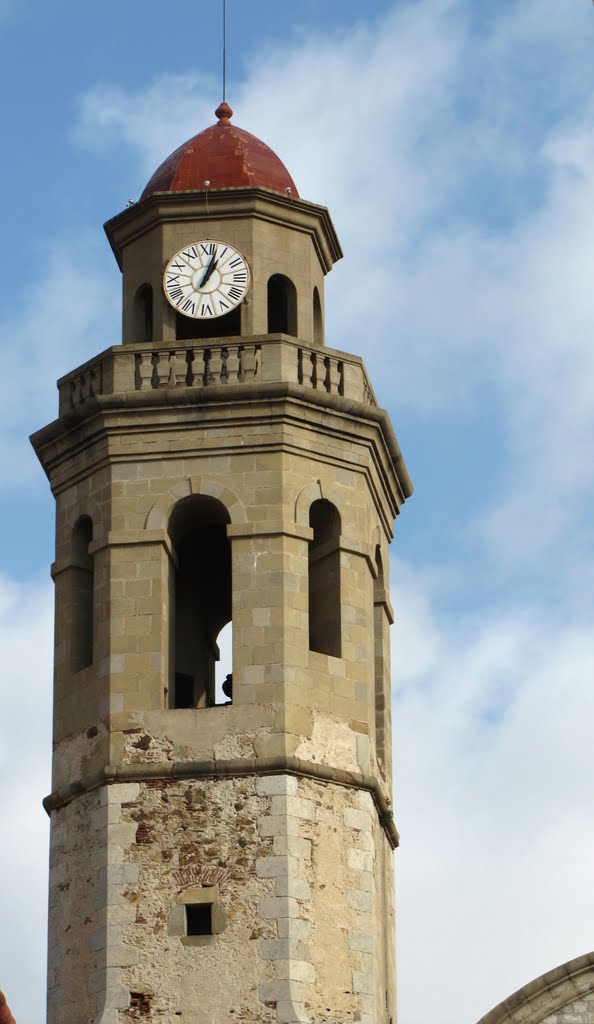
column 263, row 359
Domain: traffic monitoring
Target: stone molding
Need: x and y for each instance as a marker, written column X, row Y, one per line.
column 53, row 443
column 232, row 768
column 548, row 994
column 245, row 202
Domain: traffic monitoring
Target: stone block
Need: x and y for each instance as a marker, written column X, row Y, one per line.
column 293, row 846
column 362, row 942
column 291, row 1012
column 272, row 907
column 357, row 819
column 363, row 982
column 296, row 806
column 283, row 949
column 296, row 970
column 275, row 867
column 297, row 888
column 361, row 901
column 278, row 825
column 295, row 928
column 360, row 860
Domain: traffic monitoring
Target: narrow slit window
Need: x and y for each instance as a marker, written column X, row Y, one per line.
column 82, row 596
column 143, row 314
column 317, row 318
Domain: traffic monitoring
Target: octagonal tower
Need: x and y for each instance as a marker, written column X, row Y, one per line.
column 222, row 856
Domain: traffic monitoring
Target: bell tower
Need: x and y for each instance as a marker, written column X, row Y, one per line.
column 221, row 857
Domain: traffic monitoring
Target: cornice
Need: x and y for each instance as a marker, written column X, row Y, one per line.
column 238, row 767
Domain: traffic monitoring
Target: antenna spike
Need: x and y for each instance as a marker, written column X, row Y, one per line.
column 224, row 50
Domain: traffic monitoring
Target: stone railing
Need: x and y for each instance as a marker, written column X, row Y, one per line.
column 264, row 359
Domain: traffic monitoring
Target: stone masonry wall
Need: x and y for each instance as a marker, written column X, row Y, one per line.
column 295, row 868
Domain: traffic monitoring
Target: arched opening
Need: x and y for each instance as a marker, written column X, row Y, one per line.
column 143, row 314
column 202, row 598
column 227, row 326
column 81, row 646
column 324, row 579
column 223, row 667
column 318, row 322
column 282, row 306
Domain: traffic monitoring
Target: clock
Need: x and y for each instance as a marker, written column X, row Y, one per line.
column 206, row 279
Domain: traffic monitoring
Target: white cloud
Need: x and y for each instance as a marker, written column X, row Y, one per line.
column 493, row 776
column 26, row 634
column 153, row 121
column 464, row 301
column 69, row 313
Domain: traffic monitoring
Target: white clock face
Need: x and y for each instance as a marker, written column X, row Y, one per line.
column 206, row 279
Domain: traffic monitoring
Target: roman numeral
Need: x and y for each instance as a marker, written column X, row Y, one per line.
column 210, row 249
column 234, row 293
column 236, row 262
column 172, row 279
column 191, row 253
column 206, row 310
column 241, row 276
column 176, row 293
column 178, row 266
column 188, row 304
column 223, row 305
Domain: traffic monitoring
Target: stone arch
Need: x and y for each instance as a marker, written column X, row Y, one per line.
column 552, row 998
column 160, row 512
column 315, row 492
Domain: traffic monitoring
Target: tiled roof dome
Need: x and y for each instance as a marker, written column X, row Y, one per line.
column 222, row 156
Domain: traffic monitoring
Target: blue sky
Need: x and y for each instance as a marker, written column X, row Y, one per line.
column 453, row 142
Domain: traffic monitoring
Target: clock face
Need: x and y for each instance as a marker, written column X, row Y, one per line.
column 206, row 279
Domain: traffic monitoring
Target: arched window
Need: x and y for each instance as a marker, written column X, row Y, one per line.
column 143, row 314
column 282, row 306
column 202, row 598
column 324, row 579
column 318, row 322
column 81, row 646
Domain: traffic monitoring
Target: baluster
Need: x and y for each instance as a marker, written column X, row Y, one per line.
column 333, row 376
column 300, row 366
column 215, row 366
column 233, row 365
column 75, row 391
column 179, row 369
column 313, row 377
column 84, row 387
column 163, row 369
column 248, row 363
column 145, row 371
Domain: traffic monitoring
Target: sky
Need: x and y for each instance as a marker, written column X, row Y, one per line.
column 453, row 142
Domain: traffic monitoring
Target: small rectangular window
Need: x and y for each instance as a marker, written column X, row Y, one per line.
column 199, row 918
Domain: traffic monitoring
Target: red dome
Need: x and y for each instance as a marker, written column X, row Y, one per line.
column 225, row 157
column 6, row 1016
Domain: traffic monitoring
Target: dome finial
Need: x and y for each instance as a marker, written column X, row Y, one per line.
column 224, row 112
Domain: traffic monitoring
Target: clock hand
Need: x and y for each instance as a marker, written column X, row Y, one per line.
column 211, row 266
